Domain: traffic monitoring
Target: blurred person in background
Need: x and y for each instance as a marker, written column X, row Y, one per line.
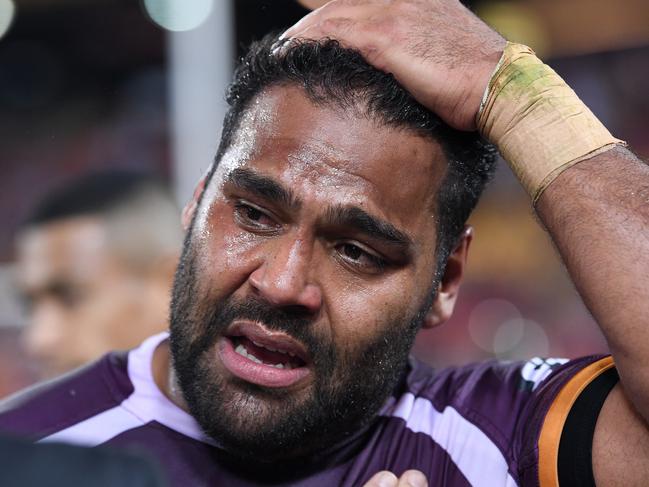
column 95, row 264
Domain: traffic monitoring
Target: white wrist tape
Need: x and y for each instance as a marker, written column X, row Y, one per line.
column 536, row 120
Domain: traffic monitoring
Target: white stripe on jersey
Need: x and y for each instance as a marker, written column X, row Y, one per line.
column 97, row 429
column 474, row 454
column 146, row 404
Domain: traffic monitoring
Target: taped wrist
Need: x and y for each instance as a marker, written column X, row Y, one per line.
column 539, row 124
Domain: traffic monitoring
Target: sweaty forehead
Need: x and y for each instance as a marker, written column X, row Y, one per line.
column 325, row 148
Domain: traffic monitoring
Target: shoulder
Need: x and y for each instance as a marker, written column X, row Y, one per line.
column 462, row 420
column 469, row 387
column 54, row 405
column 492, row 414
column 559, row 439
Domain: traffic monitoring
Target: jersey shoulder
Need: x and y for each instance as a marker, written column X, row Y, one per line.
column 555, row 447
column 491, row 388
column 500, row 405
column 48, row 407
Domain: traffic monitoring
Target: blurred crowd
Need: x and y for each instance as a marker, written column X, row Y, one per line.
column 90, row 221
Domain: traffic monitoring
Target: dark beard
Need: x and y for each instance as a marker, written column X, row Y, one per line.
column 269, row 425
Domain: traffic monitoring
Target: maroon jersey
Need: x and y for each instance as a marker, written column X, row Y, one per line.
column 486, row 424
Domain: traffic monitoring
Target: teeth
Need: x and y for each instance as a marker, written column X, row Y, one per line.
column 266, row 347
column 271, row 349
column 253, row 358
column 241, row 350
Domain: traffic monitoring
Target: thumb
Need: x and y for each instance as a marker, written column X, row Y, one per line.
column 383, row 479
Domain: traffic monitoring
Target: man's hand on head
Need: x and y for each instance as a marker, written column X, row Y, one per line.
column 437, row 49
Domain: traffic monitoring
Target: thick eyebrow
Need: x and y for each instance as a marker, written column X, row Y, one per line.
column 372, row 226
column 263, row 186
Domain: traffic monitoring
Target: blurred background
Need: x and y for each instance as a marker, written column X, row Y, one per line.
column 92, row 85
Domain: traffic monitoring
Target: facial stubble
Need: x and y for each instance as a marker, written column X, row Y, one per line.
column 349, row 384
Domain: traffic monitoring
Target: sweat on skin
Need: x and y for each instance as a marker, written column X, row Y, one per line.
column 319, row 211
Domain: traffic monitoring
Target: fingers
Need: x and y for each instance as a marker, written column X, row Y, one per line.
column 361, row 27
column 413, row 478
column 383, row 479
column 335, row 28
column 437, row 49
column 314, row 4
column 352, row 10
column 410, row 478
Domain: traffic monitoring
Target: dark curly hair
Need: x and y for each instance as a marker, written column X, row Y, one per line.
column 334, row 75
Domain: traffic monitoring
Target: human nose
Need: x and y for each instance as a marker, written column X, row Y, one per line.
column 284, row 278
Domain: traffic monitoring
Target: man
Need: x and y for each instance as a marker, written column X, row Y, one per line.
column 331, row 229
column 95, row 265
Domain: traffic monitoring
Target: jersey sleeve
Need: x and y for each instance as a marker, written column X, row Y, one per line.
column 558, row 423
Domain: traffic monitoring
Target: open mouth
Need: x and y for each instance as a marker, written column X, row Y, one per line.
column 266, row 354
column 253, row 353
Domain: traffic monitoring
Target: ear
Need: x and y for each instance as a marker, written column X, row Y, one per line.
column 449, row 286
column 192, row 205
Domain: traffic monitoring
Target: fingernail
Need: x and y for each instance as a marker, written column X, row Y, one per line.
column 415, row 479
column 277, row 45
column 386, row 479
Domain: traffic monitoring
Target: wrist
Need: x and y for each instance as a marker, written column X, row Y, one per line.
column 536, row 120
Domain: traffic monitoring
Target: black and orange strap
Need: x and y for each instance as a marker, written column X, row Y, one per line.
column 567, row 432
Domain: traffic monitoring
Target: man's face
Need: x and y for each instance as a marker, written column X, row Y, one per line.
column 82, row 299
column 306, row 274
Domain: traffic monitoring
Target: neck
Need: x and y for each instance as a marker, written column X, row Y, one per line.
column 165, row 377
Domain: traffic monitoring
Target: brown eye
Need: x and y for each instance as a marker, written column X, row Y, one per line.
column 352, row 251
column 360, row 259
column 253, row 218
column 253, row 213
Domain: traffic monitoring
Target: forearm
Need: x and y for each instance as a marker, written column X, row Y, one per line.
column 591, row 193
column 597, row 213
